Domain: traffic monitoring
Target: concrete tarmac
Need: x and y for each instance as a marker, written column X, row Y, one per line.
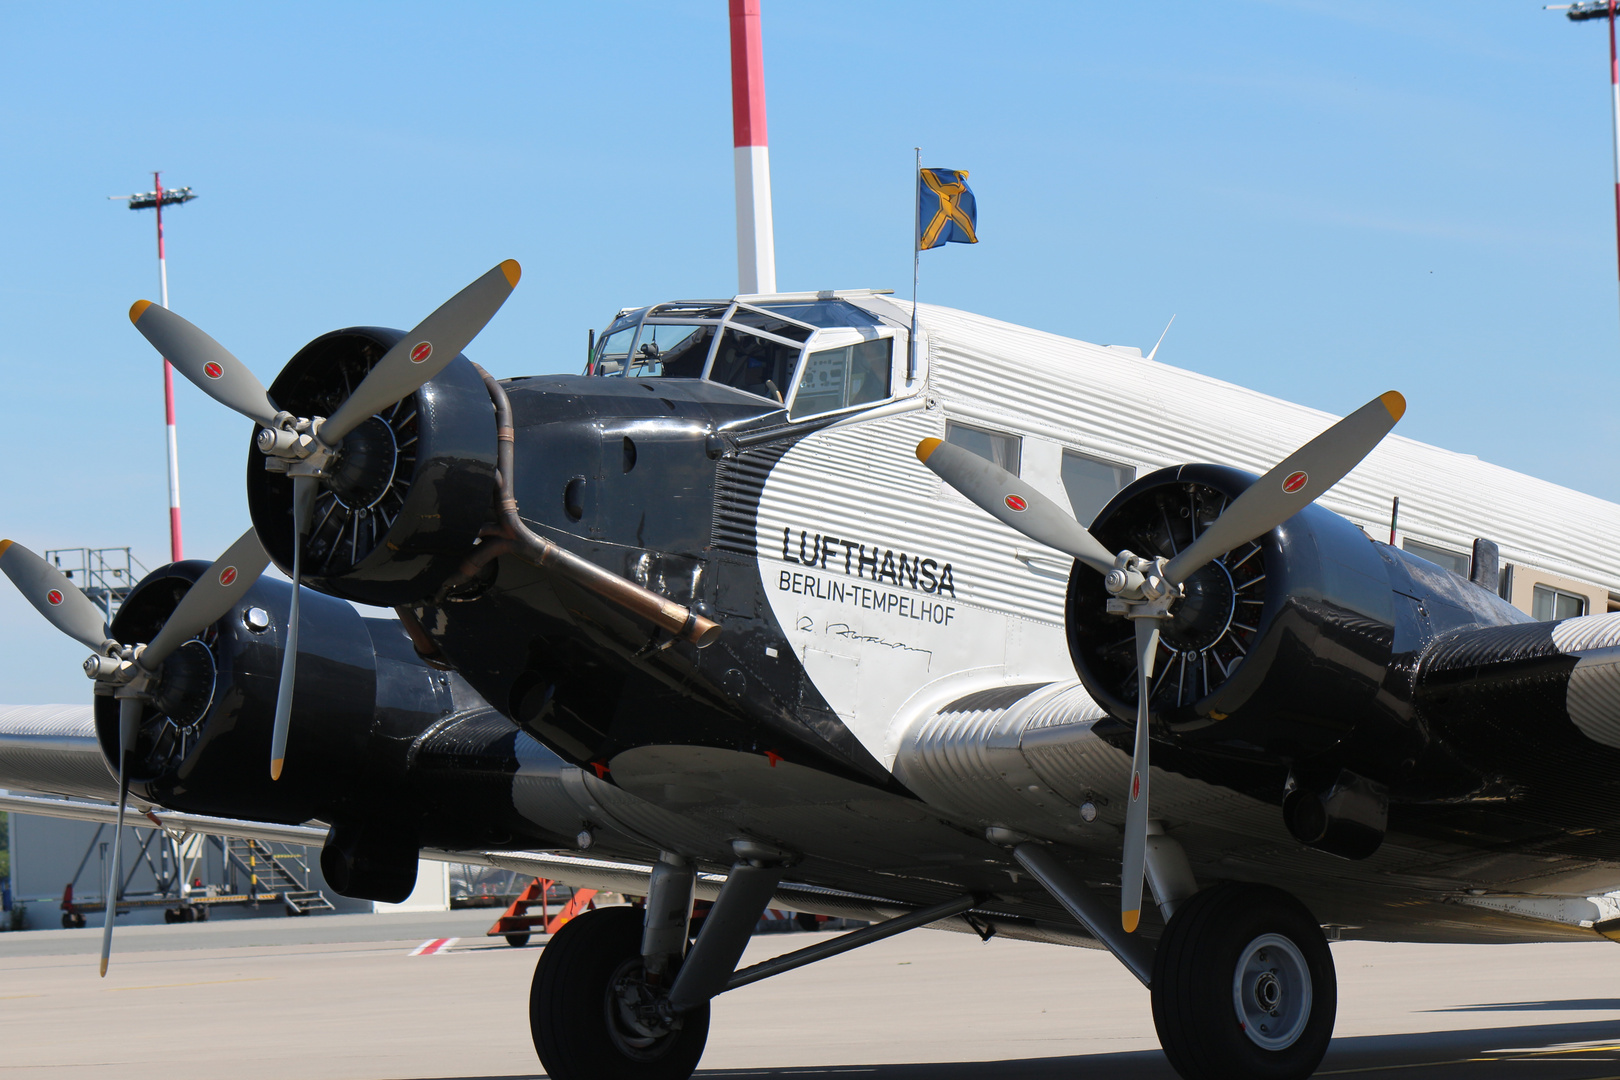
column 343, row 998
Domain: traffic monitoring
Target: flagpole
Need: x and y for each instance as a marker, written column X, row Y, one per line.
column 916, row 257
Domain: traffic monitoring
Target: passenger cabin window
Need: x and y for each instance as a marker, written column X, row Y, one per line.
column 1090, row 482
column 1455, row 561
column 1548, row 604
column 991, row 445
column 839, row 378
column 755, row 364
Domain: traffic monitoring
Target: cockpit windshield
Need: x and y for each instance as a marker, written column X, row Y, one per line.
column 671, row 349
column 757, row 348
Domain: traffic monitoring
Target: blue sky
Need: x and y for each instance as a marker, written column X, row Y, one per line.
column 1333, row 198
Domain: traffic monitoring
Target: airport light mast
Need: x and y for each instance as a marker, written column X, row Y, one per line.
column 157, row 199
column 1583, row 11
column 756, row 239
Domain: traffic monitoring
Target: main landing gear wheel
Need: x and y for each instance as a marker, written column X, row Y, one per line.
column 592, row 1015
column 1243, row 985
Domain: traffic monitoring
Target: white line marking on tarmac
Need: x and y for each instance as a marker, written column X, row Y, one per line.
column 437, row 945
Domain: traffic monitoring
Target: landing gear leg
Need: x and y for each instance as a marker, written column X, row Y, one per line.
column 1243, row 985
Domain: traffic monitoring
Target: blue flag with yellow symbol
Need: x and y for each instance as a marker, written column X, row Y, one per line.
column 946, row 212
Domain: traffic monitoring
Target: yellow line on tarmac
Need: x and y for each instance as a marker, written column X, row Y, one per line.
column 1414, row 1065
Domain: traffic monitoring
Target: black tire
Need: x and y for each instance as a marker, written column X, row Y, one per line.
column 576, row 1020
column 1196, row 1004
column 517, row 941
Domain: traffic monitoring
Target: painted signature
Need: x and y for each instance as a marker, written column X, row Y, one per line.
column 807, row 625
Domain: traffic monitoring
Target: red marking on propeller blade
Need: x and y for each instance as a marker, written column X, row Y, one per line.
column 54, row 596
column 1295, row 481
column 1017, row 503
column 421, row 352
column 1136, row 786
column 213, row 370
column 227, row 575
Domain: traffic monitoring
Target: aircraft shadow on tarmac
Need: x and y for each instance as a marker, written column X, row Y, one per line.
column 1538, row 1051
column 1543, row 1052
column 1572, row 1005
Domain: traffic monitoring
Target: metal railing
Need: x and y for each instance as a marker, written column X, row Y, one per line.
column 105, row 575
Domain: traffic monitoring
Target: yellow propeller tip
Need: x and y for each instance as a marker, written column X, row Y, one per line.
column 927, row 447
column 1129, row 919
column 275, row 769
column 104, row 969
column 1394, row 402
column 5, row 545
column 512, row 271
column 137, row 309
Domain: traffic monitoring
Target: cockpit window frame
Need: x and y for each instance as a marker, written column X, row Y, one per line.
column 703, row 313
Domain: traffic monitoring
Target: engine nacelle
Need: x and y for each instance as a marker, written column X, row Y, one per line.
column 1280, row 646
column 410, row 488
column 361, row 697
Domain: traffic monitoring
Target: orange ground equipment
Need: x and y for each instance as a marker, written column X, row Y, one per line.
column 516, row 924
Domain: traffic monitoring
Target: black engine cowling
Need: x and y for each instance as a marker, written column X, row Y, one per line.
column 410, row 489
column 1280, row 647
column 362, row 696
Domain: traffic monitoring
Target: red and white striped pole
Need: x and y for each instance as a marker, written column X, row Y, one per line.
column 1614, row 98
column 176, row 548
column 756, row 241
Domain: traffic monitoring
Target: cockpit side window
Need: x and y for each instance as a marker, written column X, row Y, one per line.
column 838, row 378
column 755, row 364
column 614, row 350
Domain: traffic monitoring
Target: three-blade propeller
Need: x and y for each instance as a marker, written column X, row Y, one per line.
column 1150, row 588
column 131, row 672
column 308, row 446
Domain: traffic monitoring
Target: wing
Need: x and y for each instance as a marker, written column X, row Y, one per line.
column 53, row 749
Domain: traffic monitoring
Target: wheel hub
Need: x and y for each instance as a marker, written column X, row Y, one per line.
column 634, row 1021
column 1271, row 992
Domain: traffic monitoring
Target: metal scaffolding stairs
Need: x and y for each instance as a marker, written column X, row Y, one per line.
column 282, row 873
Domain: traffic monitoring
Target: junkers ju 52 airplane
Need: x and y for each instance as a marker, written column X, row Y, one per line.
column 775, row 605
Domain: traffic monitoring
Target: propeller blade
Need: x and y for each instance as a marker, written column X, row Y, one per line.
column 209, row 597
column 1288, row 487
column 425, row 351
column 304, row 491
column 129, row 722
column 205, row 362
column 56, row 598
column 1014, row 503
column 1136, row 811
